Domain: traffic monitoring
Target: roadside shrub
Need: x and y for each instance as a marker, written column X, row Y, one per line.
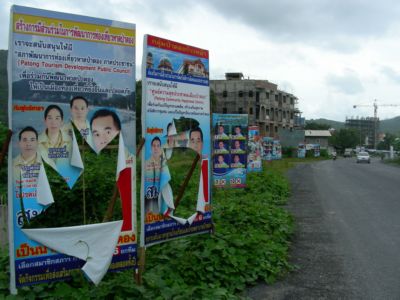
column 288, row 152
column 250, row 243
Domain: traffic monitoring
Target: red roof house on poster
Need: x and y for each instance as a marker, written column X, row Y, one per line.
column 193, row 67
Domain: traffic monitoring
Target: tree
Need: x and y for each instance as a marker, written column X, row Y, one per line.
column 344, row 138
column 389, row 140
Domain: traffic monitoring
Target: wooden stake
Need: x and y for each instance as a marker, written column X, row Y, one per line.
column 141, row 265
column 142, row 250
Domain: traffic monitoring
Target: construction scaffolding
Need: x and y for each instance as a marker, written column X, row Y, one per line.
column 368, row 128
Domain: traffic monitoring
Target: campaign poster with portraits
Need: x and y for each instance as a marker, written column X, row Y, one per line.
column 230, row 150
column 267, row 145
column 176, row 127
column 254, row 162
column 276, row 150
column 317, row 150
column 72, row 112
column 301, row 151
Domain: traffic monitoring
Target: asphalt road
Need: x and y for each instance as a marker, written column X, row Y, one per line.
column 347, row 240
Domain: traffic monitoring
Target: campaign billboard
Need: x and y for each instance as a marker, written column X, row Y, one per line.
column 301, row 151
column 267, row 145
column 254, row 162
column 176, row 128
column 276, row 150
column 71, row 159
column 230, row 150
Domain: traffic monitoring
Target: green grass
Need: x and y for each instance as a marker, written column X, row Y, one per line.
column 285, row 164
column 395, row 161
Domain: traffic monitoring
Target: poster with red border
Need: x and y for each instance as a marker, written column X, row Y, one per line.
column 176, row 125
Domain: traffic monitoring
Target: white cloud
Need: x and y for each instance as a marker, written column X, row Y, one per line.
column 330, row 54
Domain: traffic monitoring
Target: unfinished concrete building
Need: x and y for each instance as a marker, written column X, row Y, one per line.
column 267, row 106
column 367, row 127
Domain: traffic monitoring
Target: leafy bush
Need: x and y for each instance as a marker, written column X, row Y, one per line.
column 289, row 152
column 250, row 244
column 324, row 153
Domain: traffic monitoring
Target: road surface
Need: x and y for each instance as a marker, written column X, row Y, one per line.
column 347, row 240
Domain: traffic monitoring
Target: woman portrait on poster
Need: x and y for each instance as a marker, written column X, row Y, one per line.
column 54, row 142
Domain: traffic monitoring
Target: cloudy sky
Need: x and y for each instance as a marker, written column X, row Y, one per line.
column 330, row 54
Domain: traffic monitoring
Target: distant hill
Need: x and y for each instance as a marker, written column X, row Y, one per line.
column 333, row 124
column 388, row 125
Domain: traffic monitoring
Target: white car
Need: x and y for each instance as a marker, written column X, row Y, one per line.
column 363, row 157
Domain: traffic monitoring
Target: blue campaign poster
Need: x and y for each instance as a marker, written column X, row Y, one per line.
column 230, row 150
column 175, row 122
column 301, row 151
column 254, row 162
column 72, row 105
column 276, row 150
column 267, row 145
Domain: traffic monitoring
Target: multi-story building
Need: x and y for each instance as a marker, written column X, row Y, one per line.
column 368, row 128
column 267, row 106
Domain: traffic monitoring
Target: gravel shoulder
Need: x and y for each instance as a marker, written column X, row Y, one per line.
column 320, row 271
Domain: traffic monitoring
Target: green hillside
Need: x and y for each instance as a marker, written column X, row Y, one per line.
column 388, row 125
column 391, row 125
column 333, row 124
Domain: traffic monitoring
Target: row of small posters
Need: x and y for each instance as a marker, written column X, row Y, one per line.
column 302, row 148
column 72, row 155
